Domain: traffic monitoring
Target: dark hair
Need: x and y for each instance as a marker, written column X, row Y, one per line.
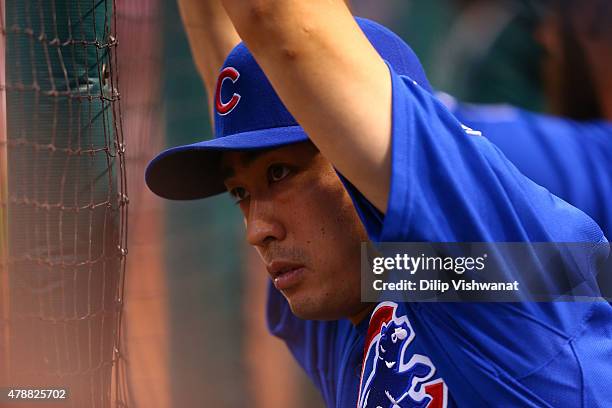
column 597, row 12
column 579, row 98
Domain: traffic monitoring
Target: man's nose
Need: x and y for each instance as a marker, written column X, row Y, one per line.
column 263, row 224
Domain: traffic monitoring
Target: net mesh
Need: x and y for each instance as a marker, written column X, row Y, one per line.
column 66, row 200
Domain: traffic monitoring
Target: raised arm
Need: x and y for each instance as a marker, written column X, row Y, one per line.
column 211, row 37
column 330, row 78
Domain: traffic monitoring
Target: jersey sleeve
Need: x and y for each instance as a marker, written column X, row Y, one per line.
column 450, row 184
column 318, row 346
column 299, row 335
column 573, row 160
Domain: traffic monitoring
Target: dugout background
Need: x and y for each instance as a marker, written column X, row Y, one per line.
column 194, row 332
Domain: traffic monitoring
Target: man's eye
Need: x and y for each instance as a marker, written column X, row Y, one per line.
column 239, row 194
column 278, row 172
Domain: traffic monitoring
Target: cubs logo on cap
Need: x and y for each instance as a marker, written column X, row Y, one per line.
column 231, row 74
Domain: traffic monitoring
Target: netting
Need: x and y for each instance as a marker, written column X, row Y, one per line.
column 67, row 202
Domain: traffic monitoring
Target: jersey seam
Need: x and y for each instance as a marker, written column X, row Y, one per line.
column 579, row 331
column 396, row 194
column 581, row 371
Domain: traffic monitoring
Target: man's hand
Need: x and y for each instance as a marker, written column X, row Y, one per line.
column 211, row 38
column 330, row 78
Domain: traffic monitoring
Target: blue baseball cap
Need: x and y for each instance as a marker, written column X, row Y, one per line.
column 250, row 116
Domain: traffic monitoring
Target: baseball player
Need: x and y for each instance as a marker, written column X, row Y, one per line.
column 410, row 172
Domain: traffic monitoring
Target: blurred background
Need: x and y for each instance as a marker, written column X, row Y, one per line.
column 193, row 329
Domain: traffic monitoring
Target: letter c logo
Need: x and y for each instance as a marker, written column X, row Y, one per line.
column 232, row 74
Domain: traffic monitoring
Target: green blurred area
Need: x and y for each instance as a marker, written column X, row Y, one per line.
column 480, row 51
column 204, row 253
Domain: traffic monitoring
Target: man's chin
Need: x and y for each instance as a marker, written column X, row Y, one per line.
column 307, row 314
column 309, row 309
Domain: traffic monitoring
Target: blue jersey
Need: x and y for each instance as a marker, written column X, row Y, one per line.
column 450, row 184
column 573, row 160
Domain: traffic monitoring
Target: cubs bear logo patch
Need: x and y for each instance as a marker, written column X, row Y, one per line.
column 392, row 376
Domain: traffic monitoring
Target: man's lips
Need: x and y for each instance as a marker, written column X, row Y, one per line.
column 285, row 274
column 279, row 267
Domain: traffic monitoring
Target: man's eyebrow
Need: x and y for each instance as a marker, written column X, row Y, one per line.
column 246, row 158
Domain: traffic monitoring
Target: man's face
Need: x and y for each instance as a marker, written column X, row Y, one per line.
column 303, row 224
